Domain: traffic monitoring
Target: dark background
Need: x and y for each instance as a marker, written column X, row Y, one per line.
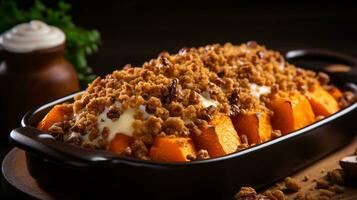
column 135, row 31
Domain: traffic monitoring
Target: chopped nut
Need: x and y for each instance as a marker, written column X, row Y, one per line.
column 242, row 146
column 322, row 183
column 244, row 139
column 235, row 110
column 191, row 157
column 234, row 97
column 346, row 99
column 275, row 134
column 114, row 112
column 127, row 152
column 140, row 150
column 173, row 91
column 74, row 138
column 336, row 176
column 55, row 130
column 246, row 192
column 252, row 44
column 202, row 154
column 323, row 78
column 279, row 195
column 306, row 178
column 292, row 184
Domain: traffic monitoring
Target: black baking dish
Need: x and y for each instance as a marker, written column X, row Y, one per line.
column 98, row 174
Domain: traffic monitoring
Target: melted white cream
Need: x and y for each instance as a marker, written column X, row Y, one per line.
column 206, row 101
column 257, row 90
column 32, row 36
column 143, row 110
column 122, row 125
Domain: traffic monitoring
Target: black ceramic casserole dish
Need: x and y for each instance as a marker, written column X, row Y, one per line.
column 99, row 174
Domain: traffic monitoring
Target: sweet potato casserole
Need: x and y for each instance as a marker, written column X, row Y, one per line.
column 200, row 103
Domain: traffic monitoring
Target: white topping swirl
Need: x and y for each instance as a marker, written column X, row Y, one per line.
column 206, row 101
column 122, row 125
column 257, row 90
column 32, row 36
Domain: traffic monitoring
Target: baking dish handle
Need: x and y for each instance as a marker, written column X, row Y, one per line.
column 34, row 141
column 346, row 69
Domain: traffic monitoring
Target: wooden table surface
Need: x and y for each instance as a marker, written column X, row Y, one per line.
column 19, row 182
column 326, row 164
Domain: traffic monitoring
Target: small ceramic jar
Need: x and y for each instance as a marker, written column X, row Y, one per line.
column 33, row 71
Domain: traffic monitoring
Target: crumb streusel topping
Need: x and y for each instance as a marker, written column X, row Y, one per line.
column 179, row 94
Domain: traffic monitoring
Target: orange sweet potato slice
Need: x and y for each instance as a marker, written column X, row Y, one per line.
column 57, row 114
column 220, row 138
column 255, row 125
column 322, row 102
column 172, row 149
column 119, row 143
column 291, row 113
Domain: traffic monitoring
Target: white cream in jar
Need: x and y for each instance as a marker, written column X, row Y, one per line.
column 31, row 36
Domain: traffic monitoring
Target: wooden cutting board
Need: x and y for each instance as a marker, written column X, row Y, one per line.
column 19, row 183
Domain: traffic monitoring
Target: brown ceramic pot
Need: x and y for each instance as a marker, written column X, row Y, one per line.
column 31, row 79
